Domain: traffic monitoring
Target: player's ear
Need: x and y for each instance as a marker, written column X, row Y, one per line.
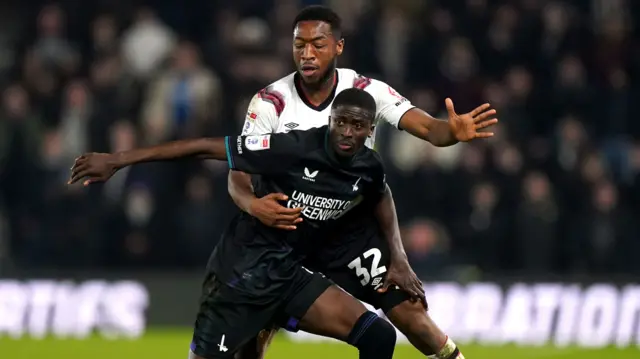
column 371, row 129
column 339, row 47
column 329, row 122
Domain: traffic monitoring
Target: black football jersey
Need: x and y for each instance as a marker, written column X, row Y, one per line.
column 300, row 165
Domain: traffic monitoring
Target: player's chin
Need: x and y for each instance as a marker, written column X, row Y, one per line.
column 309, row 79
column 345, row 152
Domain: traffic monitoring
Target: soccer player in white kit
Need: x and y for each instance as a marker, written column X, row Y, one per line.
column 302, row 100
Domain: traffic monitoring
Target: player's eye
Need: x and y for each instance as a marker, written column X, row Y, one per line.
column 319, row 46
column 299, row 46
column 358, row 125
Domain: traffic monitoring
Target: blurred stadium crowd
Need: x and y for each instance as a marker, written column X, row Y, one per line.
column 557, row 190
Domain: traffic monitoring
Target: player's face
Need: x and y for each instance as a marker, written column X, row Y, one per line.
column 315, row 50
column 349, row 128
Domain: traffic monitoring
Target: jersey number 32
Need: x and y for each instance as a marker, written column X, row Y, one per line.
column 365, row 274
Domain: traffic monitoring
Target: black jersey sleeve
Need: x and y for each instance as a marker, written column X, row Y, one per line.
column 270, row 154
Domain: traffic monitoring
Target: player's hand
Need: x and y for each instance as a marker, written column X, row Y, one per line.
column 401, row 275
column 271, row 213
column 95, row 167
column 465, row 127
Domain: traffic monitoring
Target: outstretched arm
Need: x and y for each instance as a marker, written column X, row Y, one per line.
column 401, row 113
column 400, row 272
column 446, row 133
column 204, row 148
column 267, row 154
column 422, row 125
column 99, row 167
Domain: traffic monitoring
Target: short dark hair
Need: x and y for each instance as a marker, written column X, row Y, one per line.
column 355, row 97
column 321, row 13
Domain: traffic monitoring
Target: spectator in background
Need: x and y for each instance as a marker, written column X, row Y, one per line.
column 51, row 47
column 20, row 182
column 500, row 44
column 184, row 100
column 146, row 44
column 572, row 90
column 135, row 223
column 393, row 37
column 459, row 67
column 43, row 85
column 20, row 142
column 197, row 225
column 427, row 244
column 104, row 36
column 74, row 124
column 537, row 226
column 519, row 86
column 571, row 144
column 482, row 232
column 556, row 25
column 470, row 170
column 508, row 163
column 602, row 233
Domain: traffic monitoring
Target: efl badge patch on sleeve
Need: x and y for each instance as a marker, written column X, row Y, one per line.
column 258, row 143
column 249, row 126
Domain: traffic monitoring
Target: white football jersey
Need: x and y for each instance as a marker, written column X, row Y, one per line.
column 282, row 106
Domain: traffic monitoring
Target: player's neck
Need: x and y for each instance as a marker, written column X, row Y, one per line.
column 318, row 93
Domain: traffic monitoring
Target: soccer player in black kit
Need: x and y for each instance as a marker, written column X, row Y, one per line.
column 352, row 259
column 254, row 277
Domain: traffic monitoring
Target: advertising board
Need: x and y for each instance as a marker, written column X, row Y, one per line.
column 561, row 314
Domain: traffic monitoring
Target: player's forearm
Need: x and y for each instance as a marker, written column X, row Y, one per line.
column 241, row 189
column 422, row 125
column 439, row 133
column 209, row 148
column 388, row 222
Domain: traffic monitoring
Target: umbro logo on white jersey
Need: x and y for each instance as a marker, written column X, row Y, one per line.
column 291, row 125
column 309, row 176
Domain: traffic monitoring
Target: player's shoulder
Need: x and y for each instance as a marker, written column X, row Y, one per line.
column 284, row 85
column 352, row 79
column 314, row 138
column 374, row 86
column 306, row 140
column 277, row 94
column 371, row 159
column 370, row 163
column 377, row 166
column 307, row 143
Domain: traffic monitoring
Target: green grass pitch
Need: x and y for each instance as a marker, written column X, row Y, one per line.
column 159, row 344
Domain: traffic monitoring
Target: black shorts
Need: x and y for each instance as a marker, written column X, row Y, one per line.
column 359, row 266
column 230, row 314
